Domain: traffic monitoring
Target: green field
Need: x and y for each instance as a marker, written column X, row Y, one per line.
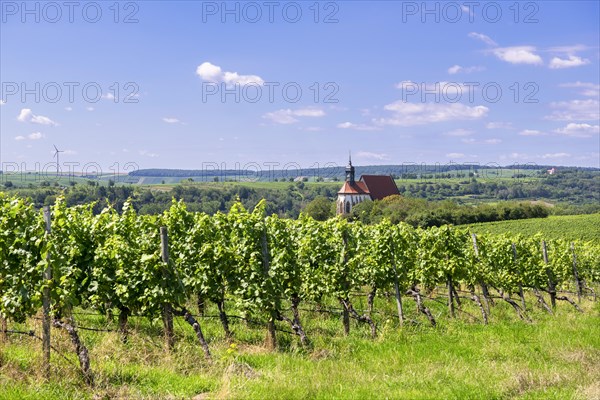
column 572, row 227
column 552, row 357
column 33, row 179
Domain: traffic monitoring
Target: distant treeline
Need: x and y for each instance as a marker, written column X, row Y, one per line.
column 269, row 172
column 572, row 192
column 575, row 187
column 286, row 202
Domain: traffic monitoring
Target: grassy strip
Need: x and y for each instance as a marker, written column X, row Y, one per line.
column 555, row 357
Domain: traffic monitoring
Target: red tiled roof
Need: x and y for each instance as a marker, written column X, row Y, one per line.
column 356, row 188
column 379, row 186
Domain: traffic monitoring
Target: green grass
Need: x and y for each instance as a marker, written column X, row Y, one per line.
column 571, row 227
column 554, row 357
column 24, row 180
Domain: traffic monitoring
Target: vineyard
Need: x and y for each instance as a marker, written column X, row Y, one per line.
column 264, row 270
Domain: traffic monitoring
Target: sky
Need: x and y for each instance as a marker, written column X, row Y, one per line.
column 118, row 86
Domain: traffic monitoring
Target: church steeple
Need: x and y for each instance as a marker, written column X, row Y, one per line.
column 350, row 170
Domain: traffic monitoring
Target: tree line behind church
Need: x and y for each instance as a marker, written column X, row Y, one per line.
column 422, row 203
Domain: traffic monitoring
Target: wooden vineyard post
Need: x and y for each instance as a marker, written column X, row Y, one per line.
column 46, row 301
column 3, row 329
column 344, row 302
column 484, row 289
column 551, row 283
column 271, row 336
column 521, row 295
column 397, row 290
column 474, row 296
column 450, row 295
column 167, row 307
column 576, row 273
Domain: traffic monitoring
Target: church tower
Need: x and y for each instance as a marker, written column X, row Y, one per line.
column 369, row 187
column 350, row 171
column 352, row 192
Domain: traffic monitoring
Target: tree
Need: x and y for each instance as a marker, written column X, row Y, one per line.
column 320, row 209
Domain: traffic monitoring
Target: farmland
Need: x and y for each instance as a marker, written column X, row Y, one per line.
column 574, row 227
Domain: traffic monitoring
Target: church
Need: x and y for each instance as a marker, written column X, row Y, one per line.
column 369, row 187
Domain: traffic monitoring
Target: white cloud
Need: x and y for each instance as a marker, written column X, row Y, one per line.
column 455, row 155
column 309, row 112
column 515, row 156
column 486, row 141
column 409, row 114
column 19, row 138
column 568, row 49
column 169, row 120
column 466, row 9
column 484, row 38
column 35, row 136
column 447, row 90
column 288, row 116
column 555, row 155
column 232, row 78
column 209, row 72
column 405, row 85
column 579, row 130
column 455, row 69
column 492, row 141
column 518, row 55
column 213, row 73
column 459, row 132
column 372, row 156
column 499, row 125
column 546, row 156
column 108, row 96
column 69, row 152
column 69, row 108
column 146, row 153
column 531, row 132
column 572, row 61
column 90, row 108
column 2, row 102
column 575, row 110
column 26, row 115
column 588, row 89
column 283, row 117
column 357, row 127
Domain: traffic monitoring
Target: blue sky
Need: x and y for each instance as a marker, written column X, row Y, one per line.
column 179, row 84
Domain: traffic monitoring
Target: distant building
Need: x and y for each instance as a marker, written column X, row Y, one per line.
column 552, row 171
column 369, row 187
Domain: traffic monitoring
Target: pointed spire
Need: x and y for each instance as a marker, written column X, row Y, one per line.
column 350, row 169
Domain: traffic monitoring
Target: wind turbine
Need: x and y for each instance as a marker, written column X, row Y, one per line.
column 56, row 154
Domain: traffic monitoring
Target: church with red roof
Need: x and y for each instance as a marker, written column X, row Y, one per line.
column 369, row 187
